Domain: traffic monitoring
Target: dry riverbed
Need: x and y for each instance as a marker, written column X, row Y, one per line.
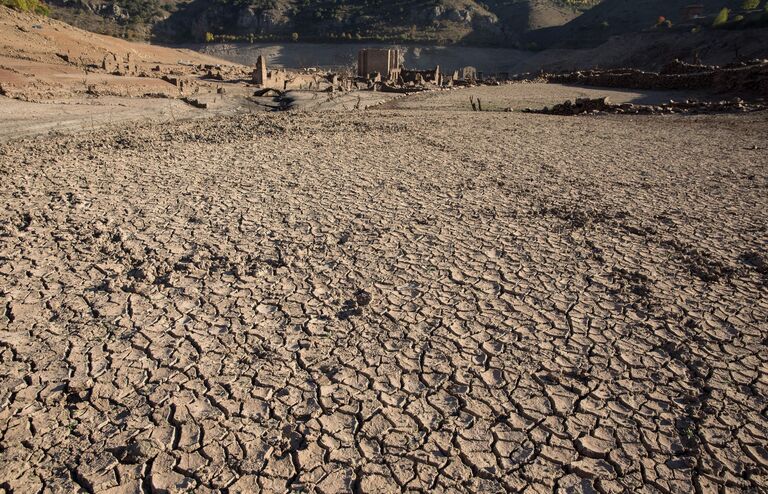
column 387, row 300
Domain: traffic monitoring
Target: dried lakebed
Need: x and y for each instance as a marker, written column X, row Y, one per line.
column 387, row 301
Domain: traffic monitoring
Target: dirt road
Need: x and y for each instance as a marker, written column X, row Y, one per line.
column 386, row 301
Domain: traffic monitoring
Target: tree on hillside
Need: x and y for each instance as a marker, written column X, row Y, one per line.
column 722, row 17
column 750, row 4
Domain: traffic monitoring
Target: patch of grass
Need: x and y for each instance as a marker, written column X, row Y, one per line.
column 750, row 4
column 35, row 6
column 722, row 17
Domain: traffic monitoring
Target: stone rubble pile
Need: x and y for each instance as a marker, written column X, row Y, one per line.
column 584, row 106
column 743, row 77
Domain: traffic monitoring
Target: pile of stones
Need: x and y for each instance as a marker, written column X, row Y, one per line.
column 689, row 107
column 741, row 78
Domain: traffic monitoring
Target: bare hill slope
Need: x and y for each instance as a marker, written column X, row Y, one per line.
column 618, row 17
column 42, row 58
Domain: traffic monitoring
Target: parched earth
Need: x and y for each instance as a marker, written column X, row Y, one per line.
column 387, row 301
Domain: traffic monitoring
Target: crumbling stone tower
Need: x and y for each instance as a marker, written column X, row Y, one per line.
column 260, row 74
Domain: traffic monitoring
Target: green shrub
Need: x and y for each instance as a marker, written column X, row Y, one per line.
column 750, row 4
column 721, row 18
column 738, row 18
column 35, row 6
column 209, row 37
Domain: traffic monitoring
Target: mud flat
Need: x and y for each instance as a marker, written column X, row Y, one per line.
column 77, row 114
column 387, row 300
column 23, row 118
column 532, row 95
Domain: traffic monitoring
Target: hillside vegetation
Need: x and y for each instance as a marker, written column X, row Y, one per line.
column 35, row 6
column 618, row 17
column 440, row 21
column 529, row 24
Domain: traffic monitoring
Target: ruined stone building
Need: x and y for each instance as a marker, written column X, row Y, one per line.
column 113, row 65
column 421, row 77
column 468, row 73
column 376, row 60
column 283, row 80
column 271, row 79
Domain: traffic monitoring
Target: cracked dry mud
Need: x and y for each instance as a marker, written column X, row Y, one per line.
column 387, row 301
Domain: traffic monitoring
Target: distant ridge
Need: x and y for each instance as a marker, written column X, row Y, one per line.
column 619, row 17
column 500, row 22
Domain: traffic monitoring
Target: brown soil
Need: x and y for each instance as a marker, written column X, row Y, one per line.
column 387, row 301
column 43, row 59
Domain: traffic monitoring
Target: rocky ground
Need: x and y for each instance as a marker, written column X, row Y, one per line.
column 387, row 301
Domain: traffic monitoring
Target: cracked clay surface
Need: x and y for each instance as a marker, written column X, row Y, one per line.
column 387, row 301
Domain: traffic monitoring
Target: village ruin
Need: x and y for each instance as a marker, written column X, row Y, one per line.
column 377, row 70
